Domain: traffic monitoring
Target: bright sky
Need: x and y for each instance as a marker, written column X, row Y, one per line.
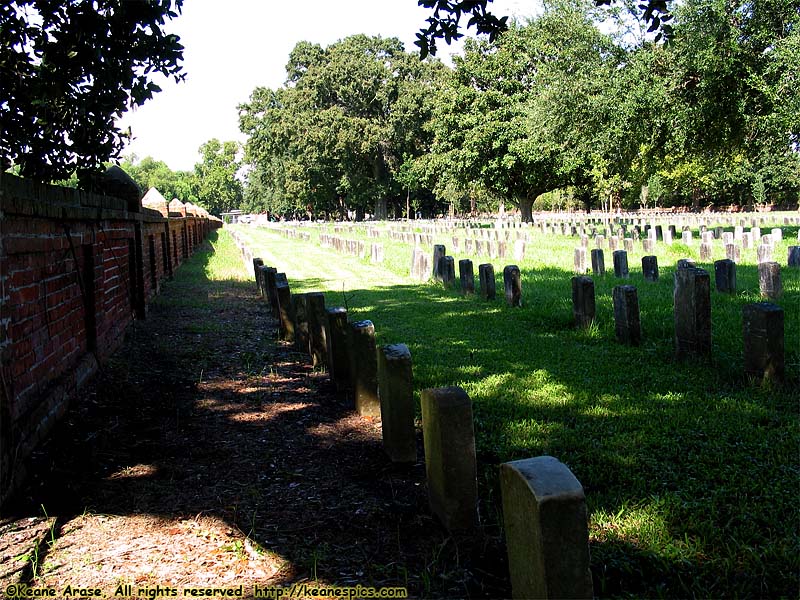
column 233, row 46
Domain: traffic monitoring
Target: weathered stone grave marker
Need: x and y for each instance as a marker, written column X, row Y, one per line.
column 338, row 352
column 583, row 301
column 513, row 285
column 725, row 276
column 769, row 280
column 396, row 395
column 466, row 276
column 763, row 334
column 450, row 463
column 364, row 368
column 546, row 526
column 487, row 282
column 692, row 312
column 626, row 315
column 598, row 263
column 650, row 268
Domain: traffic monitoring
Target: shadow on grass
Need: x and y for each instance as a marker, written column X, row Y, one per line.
column 696, row 461
column 678, row 457
column 202, row 413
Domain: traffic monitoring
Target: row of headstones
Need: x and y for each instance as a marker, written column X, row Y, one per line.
column 544, row 506
column 352, row 247
column 769, row 273
column 763, row 321
column 294, row 233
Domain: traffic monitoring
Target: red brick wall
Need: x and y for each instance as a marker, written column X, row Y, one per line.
column 75, row 270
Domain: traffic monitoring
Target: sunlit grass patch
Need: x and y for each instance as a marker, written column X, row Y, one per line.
column 690, row 469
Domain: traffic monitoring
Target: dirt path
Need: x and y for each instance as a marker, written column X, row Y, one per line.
column 207, row 454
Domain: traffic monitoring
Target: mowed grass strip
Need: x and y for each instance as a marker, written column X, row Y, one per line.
column 691, row 469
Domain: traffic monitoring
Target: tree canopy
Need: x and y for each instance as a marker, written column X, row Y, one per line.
column 553, row 112
column 445, row 20
column 69, row 69
column 335, row 136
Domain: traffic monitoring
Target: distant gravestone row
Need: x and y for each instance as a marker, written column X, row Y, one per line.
column 352, row 247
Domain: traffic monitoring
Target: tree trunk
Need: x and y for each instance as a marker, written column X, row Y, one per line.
column 381, row 213
column 526, row 209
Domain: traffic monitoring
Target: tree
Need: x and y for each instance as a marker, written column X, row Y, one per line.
column 531, row 112
column 445, row 21
column 335, row 136
column 151, row 173
column 218, row 189
column 68, row 69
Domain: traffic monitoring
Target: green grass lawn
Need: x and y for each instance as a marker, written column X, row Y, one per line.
column 690, row 468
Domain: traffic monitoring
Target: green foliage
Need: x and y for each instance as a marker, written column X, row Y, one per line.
column 151, row 173
column 69, row 69
column 218, row 189
column 556, row 104
column 335, row 136
column 445, row 20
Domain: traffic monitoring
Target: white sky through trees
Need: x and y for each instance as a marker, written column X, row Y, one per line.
column 233, row 46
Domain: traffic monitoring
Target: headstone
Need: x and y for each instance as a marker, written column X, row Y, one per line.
column 669, row 234
column 438, row 254
column 777, row 235
column 447, row 271
column 580, row 260
column 583, row 302
column 763, row 333
column 466, row 276
column 733, row 252
column 502, row 249
column 338, row 352
column 450, row 464
column 794, row 256
column 486, row 280
column 420, row 267
column 285, row 311
column 692, row 312
column 769, row 280
column 764, row 253
column 376, row 253
column 598, row 263
column 519, row 250
column 747, row 240
column 725, row 276
column 469, row 245
column 513, row 285
column 686, row 237
column 546, row 527
column 317, row 329
column 598, row 241
column 648, row 245
column 396, row 394
column 650, row 268
column 456, row 244
column 621, row 264
column 626, row 315
column 269, row 284
column 363, row 368
column 685, row 263
column 257, row 264
column 300, row 307
column 627, row 244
